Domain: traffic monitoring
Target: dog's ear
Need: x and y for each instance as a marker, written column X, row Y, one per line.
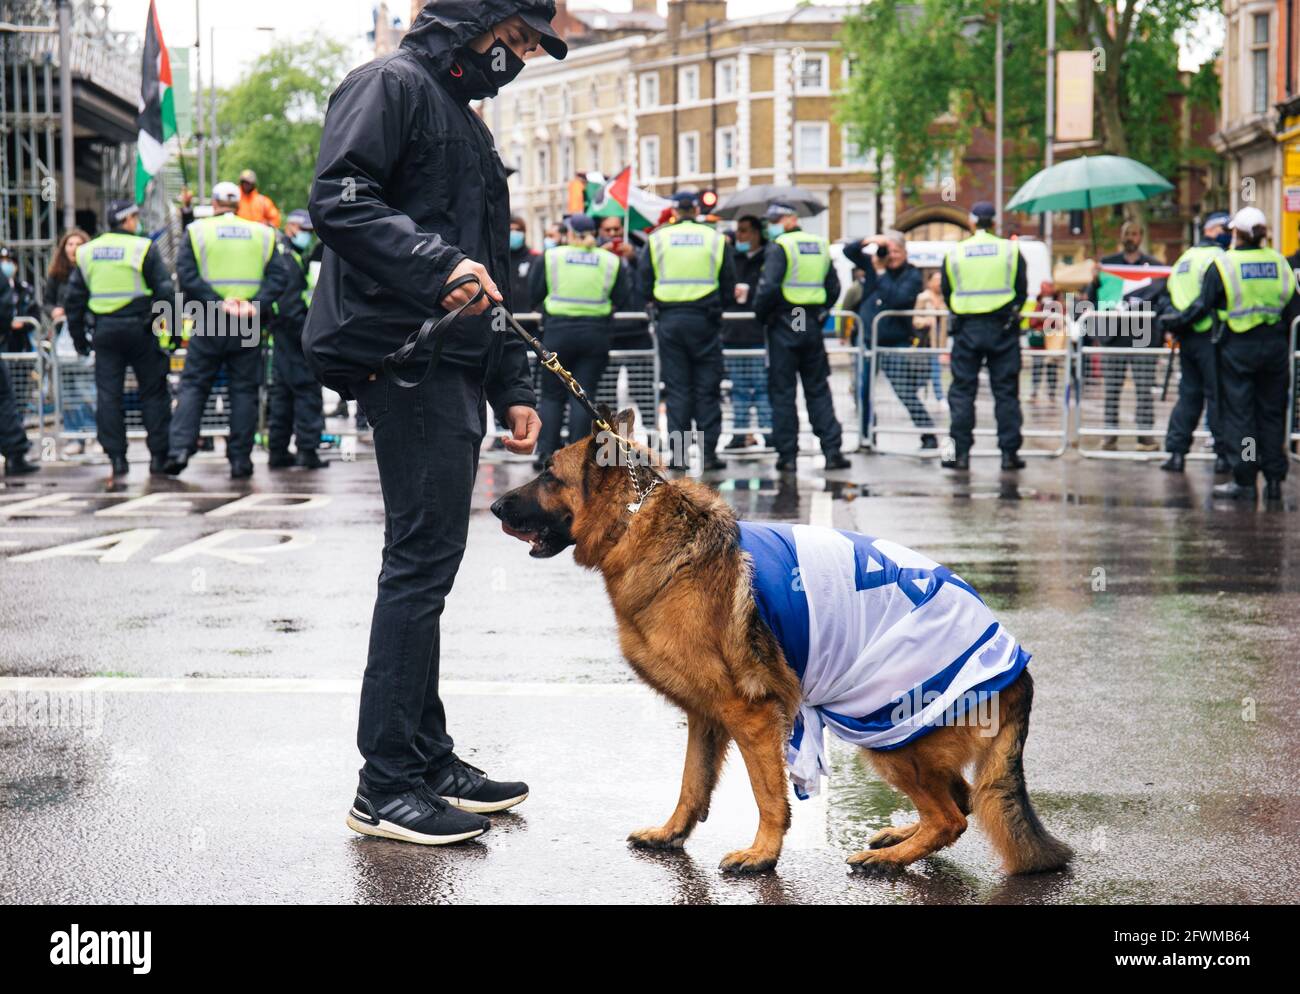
column 624, row 422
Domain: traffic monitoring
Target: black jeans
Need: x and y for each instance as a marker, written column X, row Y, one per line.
column 297, row 407
column 1198, row 390
column 988, row 342
column 1143, row 365
column 205, row 357
column 117, row 346
column 584, row 348
column 794, row 356
column 691, row 367
column 13, row 438
column 427, row 446
column 1253, row 379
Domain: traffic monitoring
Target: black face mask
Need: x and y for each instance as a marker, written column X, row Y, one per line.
column 484, row 73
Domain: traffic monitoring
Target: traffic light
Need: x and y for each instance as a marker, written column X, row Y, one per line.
column 708, row 201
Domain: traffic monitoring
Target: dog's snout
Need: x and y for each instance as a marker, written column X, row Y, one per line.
column 499, row 506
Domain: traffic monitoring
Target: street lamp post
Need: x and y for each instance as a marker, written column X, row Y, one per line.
column 1049, row 155
column 198, row 104
column 997, row 138
column 212, row 80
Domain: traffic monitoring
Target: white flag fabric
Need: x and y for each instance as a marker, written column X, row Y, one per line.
column 887, row 644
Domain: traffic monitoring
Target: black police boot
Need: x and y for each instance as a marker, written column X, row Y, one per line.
column 158, row 466
column 468, row 788
column 1272, row 489
column 1176, row 463
column 1011, row 460
column 241, row 469
column 786, row 464
column 837, row 460
column 1222, row 466
column 120, row 466
column 175, row 465
column 309, row 459
column 1232, row 490
column 960, row 461
column 281, row 459
column 17, row 465
column 929, row 442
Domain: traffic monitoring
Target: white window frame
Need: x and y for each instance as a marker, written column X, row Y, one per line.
column 722, row 165
column 936, row 174
column 688, row 92
column 593, row 154
column 648, row 89
column 542, row 166
column 728, row 92
column 1255, row 48
column 857, row 202
column 685, row 167
column 824, row 129
column 824, row 59
column 649, row 151
column 568, row 161
column 853, row 158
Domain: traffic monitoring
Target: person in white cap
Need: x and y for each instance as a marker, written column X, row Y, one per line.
column 1253, row 289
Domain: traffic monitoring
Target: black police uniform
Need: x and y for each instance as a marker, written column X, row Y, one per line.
column 796, row 351
column 1198, row 389
column 690, row 353
column 992, row 339
column 296, row 406
column 13, row 439
column 125, row 338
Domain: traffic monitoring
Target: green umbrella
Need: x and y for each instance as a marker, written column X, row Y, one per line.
column 1087, row 182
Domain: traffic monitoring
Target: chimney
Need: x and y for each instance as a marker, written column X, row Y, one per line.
column 645, row 6
column 683, row 15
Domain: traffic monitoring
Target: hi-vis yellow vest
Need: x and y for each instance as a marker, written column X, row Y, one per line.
column 807, row 261
column 579, row 281
column 687, row 259
column 232, row 254
column 1184, row 283
column 113, row 267
column 1258, row 283
column 982, row 273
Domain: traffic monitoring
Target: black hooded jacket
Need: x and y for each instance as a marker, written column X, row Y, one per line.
column 409, row 184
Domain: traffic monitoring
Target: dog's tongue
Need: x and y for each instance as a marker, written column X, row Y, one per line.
column 522, row 536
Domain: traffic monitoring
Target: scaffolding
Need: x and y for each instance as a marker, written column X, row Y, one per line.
column 105, row 66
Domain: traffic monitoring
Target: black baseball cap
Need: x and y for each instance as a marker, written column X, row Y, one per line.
column 984, row 209
column 538, row 14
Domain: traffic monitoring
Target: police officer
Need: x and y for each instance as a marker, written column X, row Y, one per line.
column 118, row 276
column 1198, row 383
column 580, row 286
column 1255, row 289
column 687, row 275
column 296, row 407
column 229, row 265
column 13, row 438
column 984, row 287
column 797, row 285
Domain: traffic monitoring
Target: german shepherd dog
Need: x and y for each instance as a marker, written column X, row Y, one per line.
column 689, row 626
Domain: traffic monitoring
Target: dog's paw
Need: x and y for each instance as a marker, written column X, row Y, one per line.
column 748, row 861
column 892, row 836
column 657, row 838
column 874, row 864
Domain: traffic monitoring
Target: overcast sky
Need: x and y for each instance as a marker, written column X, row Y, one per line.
column 238, row 41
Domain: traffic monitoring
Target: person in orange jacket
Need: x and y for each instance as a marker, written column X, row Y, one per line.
column 255, row 206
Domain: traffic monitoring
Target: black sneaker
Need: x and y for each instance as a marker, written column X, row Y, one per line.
column 468, row 788
column 417, row 816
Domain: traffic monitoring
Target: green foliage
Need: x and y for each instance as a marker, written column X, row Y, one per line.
column 924, row 77
column 270, row 121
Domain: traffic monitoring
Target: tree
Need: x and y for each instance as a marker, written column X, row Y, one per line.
column 926, row 77
column 271, row 120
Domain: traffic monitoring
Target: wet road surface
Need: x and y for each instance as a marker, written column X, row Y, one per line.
column 179, row 667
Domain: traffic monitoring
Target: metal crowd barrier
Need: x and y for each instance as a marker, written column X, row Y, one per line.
column 1294, row 405
column 906, row 400
column 26, row 372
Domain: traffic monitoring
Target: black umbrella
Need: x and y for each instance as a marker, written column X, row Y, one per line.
column 756, row 200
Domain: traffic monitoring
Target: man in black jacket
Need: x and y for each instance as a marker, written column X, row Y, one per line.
column 409, row 196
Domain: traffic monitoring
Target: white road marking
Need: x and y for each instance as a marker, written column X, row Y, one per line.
column 822, row 514
column 311, row 685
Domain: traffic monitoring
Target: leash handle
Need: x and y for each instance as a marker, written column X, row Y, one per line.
column 432, row 328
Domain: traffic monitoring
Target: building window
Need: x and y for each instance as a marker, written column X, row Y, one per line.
column 593, row 154
column 543, row 172
column 726, row 149
column 859, row 215
column 566, row 161
column 688, row 84
column 650, row 89
column 811, row 72
column 821, row 224
column 725, row 79
column 940, row 172
column 566, row 102
column 650, row 157
column 620, row 152
column 812, row 145
column 1259, row 62
column 857, row 158
column 518, row 159
column 594, row 96
column 688, row 153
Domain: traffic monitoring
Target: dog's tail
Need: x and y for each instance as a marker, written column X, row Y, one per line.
column 1001, row 801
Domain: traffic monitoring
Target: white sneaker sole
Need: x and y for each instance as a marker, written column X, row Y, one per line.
column 389, row 830
column 484, row 807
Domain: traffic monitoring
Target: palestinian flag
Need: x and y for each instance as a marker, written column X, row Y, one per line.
column 619, row 198
column 1117, row 282
column 157, row 117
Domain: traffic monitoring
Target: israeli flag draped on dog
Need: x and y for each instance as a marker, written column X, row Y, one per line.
column 887, row 643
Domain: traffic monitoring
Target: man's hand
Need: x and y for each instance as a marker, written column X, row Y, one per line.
column 525, row 427
column 469, row 267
